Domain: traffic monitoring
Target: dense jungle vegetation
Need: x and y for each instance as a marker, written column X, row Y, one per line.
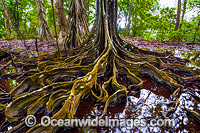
column 145, row 19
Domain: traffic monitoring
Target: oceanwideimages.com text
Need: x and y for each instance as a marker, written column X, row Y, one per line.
column 46, row 121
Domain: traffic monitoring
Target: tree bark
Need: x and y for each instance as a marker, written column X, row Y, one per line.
column 46, row 33
column 54, row 20
column 184, row 9
column 178, row 15
column 17, row 13
column 77, row 24
column 6, row 18
column 88, row 9
column 129, row 18
column 61, row 18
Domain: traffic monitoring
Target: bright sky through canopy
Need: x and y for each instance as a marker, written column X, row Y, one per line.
column 167, row 3
column 173, row 3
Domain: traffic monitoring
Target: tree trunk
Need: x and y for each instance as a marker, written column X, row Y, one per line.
column 17, row 13
column 46, row 33
column 77, row 29
column 55, row 28
column 178, row 15
column 184, row 9
column 129, row 18
column 88, row 9
column 61, row 18
column 7, row 18
column 134, row 23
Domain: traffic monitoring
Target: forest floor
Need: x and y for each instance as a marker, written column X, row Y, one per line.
column 179, row 49
column 51, row 45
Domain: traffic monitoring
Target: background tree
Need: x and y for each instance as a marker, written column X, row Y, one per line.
column 45, row 31
column 62, row 22
column 77, row 24
column 178, row 15
column 129, row 18
column 183, row 12
column 7, row 19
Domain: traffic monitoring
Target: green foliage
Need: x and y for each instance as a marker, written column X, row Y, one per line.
column 2, row 23
column 91, row 6
column 151, row 22
column 148, row 20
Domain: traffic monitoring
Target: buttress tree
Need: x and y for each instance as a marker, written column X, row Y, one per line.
column 45, row 31
column 59, row 83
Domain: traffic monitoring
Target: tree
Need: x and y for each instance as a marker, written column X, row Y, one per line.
column 184, row 10
column 13, row 24
column 93, row 67
column 45, row 31
column 55, row 27
column 61, row 18
column 178, row 15
column 6, row 18
column 77, row 24
column 129, row 18
column 143, row 18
